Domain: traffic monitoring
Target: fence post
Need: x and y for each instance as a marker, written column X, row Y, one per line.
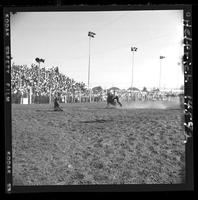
column 21, row 98
column 50, row 96
column 30, row 95
column 73, row 96
column 80, row 96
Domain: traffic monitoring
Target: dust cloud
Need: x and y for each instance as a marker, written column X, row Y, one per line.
column 151, row 105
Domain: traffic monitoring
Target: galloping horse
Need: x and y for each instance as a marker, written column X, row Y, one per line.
column 111, row 99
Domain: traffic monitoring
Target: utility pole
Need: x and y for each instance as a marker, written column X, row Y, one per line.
column 39, row 60
column 160, row 71
column 90, row 34
column 133, row 49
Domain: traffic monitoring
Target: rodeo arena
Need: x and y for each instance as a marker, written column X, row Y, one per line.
column 35, row 85
column 94, row 140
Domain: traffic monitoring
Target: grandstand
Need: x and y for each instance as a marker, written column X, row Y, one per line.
column 37, row 85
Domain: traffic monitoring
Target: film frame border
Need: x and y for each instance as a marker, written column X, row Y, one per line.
column 188, row 94
column 7, row 103
column 187, row 67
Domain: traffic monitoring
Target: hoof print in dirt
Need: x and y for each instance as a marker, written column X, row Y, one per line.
column 100, row 178
column 78, row 176
column 97, row 165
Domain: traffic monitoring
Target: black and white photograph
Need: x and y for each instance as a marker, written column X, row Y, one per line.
column 97, row 97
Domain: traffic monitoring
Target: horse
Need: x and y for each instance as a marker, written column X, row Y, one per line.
column 113, row 100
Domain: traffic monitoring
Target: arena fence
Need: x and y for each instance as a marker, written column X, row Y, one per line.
column 18, row 98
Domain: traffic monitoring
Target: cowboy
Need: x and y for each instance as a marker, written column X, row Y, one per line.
column 111, row 99
column 56, row 105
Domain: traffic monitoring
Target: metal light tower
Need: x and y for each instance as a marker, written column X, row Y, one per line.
column 91, row 35
column 133, row 49
column 161, row 57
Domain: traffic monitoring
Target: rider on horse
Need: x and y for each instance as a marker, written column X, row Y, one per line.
column 111, row 99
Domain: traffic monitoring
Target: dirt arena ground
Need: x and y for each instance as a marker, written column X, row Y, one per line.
column 91, row 144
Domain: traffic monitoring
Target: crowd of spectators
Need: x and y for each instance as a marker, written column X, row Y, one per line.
column 41, row 85
column 42, row 82
column 152, row 95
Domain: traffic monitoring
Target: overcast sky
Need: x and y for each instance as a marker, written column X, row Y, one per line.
column 61, row 38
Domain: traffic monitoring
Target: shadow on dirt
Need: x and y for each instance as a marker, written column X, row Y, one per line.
column 47, row 111
column 96, row 121
column 102, row 108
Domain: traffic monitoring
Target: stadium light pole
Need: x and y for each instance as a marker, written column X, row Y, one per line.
column 160, row 71
column 90, row 35
column 39, row 60
column 133, row 49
